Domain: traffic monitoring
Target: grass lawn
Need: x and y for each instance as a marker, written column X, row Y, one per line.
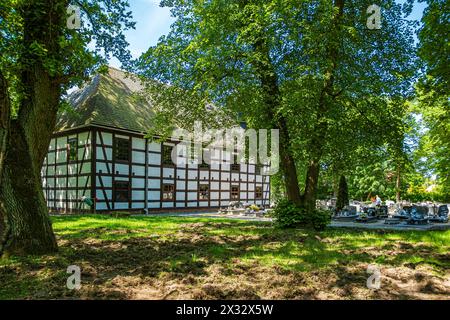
column 199, row 258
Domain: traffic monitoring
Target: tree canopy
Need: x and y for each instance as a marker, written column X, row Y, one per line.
column 41, row 59
column 309, row 68
column 433, row 91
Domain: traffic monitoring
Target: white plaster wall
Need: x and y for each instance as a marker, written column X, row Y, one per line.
column 138, row 170
column 138, row 143
column 137, row 183
column 192, row 185
column 154, row 183
column 181, row 185
column 154, row 158
column 137, row 195
column 122, row 168
column 154, row 195
column 192, row 196
column 154, row 172
column 138, row 157
column 155, row 147
column 168, row 173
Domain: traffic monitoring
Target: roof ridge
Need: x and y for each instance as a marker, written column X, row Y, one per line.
column 118, row 69
column 109, row 99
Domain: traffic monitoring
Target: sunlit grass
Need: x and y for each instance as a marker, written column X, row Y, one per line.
column 186, row 245
column 299, row 249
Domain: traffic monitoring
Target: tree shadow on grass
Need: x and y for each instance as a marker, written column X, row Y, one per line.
column 197, row 254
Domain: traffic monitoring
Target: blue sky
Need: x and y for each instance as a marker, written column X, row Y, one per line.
column 152, row 22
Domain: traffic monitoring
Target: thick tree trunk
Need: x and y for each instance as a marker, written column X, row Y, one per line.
column 4, row 119
column 269, row 83
column 4, row 134
column 312, row 179
column 24, row 223
column 316, row 148
column 25, row 226
column 288, row 167
column 320, row 130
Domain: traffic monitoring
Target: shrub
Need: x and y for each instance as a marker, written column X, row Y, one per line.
column 320, row 218
column 289, row 215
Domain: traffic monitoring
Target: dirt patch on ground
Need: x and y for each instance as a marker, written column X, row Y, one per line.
column 139, row 269
column 268, row 283
column 195, row 264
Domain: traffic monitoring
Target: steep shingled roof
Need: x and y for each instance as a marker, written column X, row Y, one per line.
column 109, row 99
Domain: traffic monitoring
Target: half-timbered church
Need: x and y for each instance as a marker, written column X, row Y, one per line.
column 100, row 151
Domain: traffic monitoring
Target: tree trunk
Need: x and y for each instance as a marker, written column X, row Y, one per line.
column 335, row 185
column 342, row 199
column 321, row 127
column 25, row 226
column 312, row 179
column 5, row 109
column 288, row 167
column 269, row 82
column 397, row 184
column 316, row 149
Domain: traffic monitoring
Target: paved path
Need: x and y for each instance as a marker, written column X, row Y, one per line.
column 216, row 215
column 378, row 225
column 381, row 225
